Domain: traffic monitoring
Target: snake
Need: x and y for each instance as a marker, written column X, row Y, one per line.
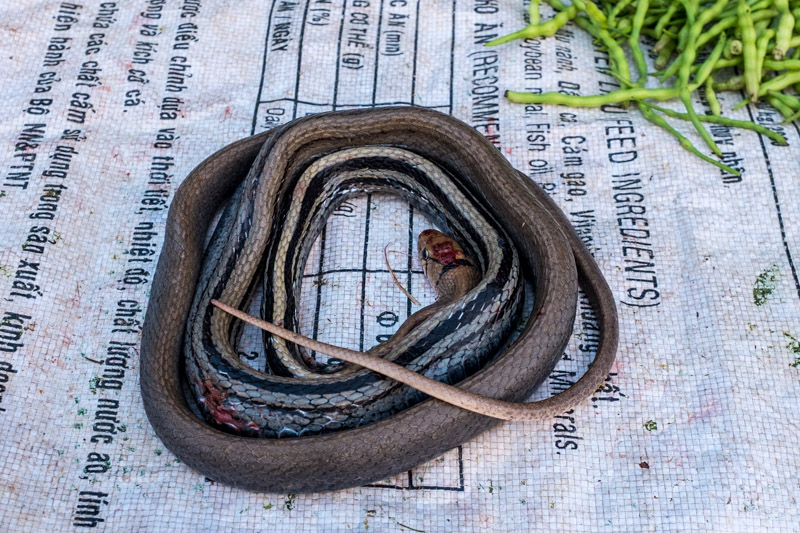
column 285, row 182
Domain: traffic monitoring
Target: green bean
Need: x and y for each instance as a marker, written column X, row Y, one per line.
column 734, row 83
column 731, row 22
column 615, row 53
column 547, row 29
column 690, row 7
column 622, row 4
column 748, row 49
column 744, row 124
column 663, row 41
column 786, row 99
column 534, row 18
column 684, row 142
column 623, row 26
column 786, row 64
column 761, row 50
column 673, row 33
column 686, row 98
column 741, row 104
column 708, row 65
column 682, row 35
column 760, row 36
column 665, row 53
column 614, row 97
column 650, row 19
column 595, row 12
column 689, row 56
column 667, row 16
column 784, row 32
column 672, row 69
column 638, row 55
column 783, row 109
column 710, row 34
column 721, row 63
column 755, row 5
column 591, row 9
column 711, row 96
column 779, row 82
column 791, row 118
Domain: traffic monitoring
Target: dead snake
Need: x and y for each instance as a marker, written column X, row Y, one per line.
column 544, row 239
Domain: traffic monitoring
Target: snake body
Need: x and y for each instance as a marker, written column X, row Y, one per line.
column 287, row 212
column 257, row 171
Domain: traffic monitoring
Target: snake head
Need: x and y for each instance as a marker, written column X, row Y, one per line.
column 444, row 260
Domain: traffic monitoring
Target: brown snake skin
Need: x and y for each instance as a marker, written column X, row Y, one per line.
column 547, row 245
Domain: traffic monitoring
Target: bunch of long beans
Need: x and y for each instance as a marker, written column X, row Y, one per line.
column 746, row 45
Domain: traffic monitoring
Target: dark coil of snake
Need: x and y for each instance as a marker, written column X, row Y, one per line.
column 309, row 426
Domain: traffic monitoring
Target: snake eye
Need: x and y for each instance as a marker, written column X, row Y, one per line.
column 424, row 254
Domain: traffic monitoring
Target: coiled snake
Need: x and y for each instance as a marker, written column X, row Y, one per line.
column 289, row 179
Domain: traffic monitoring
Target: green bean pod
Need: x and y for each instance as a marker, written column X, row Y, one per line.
column 667, row 17
column 786, row 64
column 547, row 29
column 783, row 109
column 791, row 118
column 616, row 10
column 779, row 82
column 762, row 44
column 614, row 97
column 783, row 34
column 708, row 65
column 594, row 12
column 732, row 22
column 757, row 35
column 534, row 18
column 711, row 96
column 684, row 142
column 665, row 54
column 748, row 50
column 689, row 55
column 663, row 41
column 786, row 99
column 638, row 56
column 744, row 124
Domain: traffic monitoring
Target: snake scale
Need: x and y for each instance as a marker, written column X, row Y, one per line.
column 259, row 175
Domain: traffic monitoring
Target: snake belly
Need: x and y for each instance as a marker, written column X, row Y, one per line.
column 298, row 397
column 547, row 248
